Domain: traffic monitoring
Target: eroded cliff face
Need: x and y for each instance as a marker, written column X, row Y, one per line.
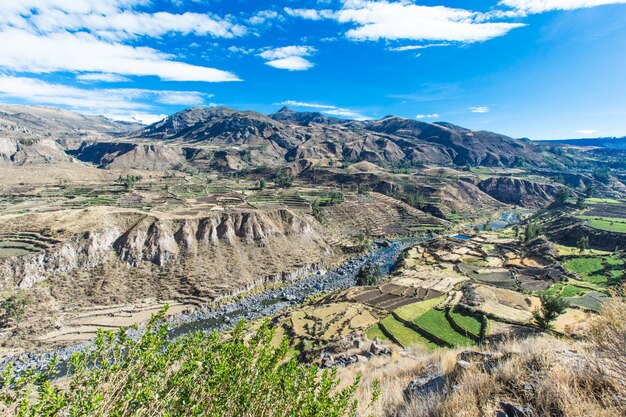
column 155, row 242
column 519, row 191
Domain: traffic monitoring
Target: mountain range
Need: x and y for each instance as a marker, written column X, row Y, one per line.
column 231, row 138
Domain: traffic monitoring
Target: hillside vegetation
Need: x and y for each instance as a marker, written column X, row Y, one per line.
column 197, row 375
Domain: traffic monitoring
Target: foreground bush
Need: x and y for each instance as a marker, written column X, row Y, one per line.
column 197, row 375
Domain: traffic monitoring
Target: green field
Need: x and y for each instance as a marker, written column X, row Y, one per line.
column 571, row 250
column 602, row 201
column 589, row 269
column 468, row 322
column 404, row 334
column 609, row 224
column 412, row 311
column 435, row 323
column 375, row 332
column 565, row 290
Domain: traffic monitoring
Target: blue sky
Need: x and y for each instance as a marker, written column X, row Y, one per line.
column 542, row 69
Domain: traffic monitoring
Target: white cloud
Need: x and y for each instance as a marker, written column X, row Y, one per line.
column 427, row 116
column 144, row 118
column 102, row 76
column 43, row 36
column 289, row 57
column 326, row 109
column 113, row 19
column 123, row 102
column 586, row 131
column 481, row 109
column 292, row 63
column 540, row 6
column 414, row 47
column 310, row 14
column 24, row 51
column 287, row 51
column 263, row 16
column 394, row 20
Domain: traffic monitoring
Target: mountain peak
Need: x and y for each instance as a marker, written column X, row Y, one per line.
column 285, row 109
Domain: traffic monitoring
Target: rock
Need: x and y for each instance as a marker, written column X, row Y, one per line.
column 375, row 348
column 431, row 381
column 358, row 344
column 511, row 410
column 473, row 356
column 362, row 358
column 462, row 366
column 328, row 361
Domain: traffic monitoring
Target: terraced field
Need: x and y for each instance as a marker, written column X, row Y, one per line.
column 24, row 243
column 421, row 323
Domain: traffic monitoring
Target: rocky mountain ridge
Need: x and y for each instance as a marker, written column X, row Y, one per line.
column 251, row 139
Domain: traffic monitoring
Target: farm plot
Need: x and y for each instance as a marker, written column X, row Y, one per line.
column 405, row 335
column 391, row 296
column 437, row 326
column 590, row 301
column 497, row 277
column 504, row 305
column 608, row 224
column 435, row 322
column 330, row 322
column 24, row 243
column 596, row 269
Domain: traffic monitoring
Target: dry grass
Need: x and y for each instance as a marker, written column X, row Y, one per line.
column 554, row 377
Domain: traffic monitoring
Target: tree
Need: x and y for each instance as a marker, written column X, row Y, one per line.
column 369, row 274
column 602, row 174
column 283, row 179
column 589, row 191
column 12, row 308
column 580, row 202
column 562, row 195
column 262, row 184
column 551, row 308
column 129, row 181
column 532, row 231
column 583, row 244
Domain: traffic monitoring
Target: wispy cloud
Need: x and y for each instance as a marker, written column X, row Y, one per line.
column 289, row 58
column 481, row 109
column 326, row 109
column 103, row 77
column 541, row 6
column 397, row 20
column 414, row 47
column 427, row 116
column 586, row 131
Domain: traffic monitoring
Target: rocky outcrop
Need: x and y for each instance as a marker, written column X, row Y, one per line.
column 518, row 191
column 568, row 230
column 30, row 151
column 157, row 241
column 123, row 155
column 85, row 252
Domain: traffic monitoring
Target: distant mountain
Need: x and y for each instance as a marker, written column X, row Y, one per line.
column 290, row 135
column 608, row 143
column 37, row 122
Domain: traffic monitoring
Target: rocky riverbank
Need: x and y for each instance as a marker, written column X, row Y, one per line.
column 264, row 304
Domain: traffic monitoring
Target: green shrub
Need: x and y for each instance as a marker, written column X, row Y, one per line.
column 368, row 275
column 196, row 375
column 551, row 308
column 12, row 308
